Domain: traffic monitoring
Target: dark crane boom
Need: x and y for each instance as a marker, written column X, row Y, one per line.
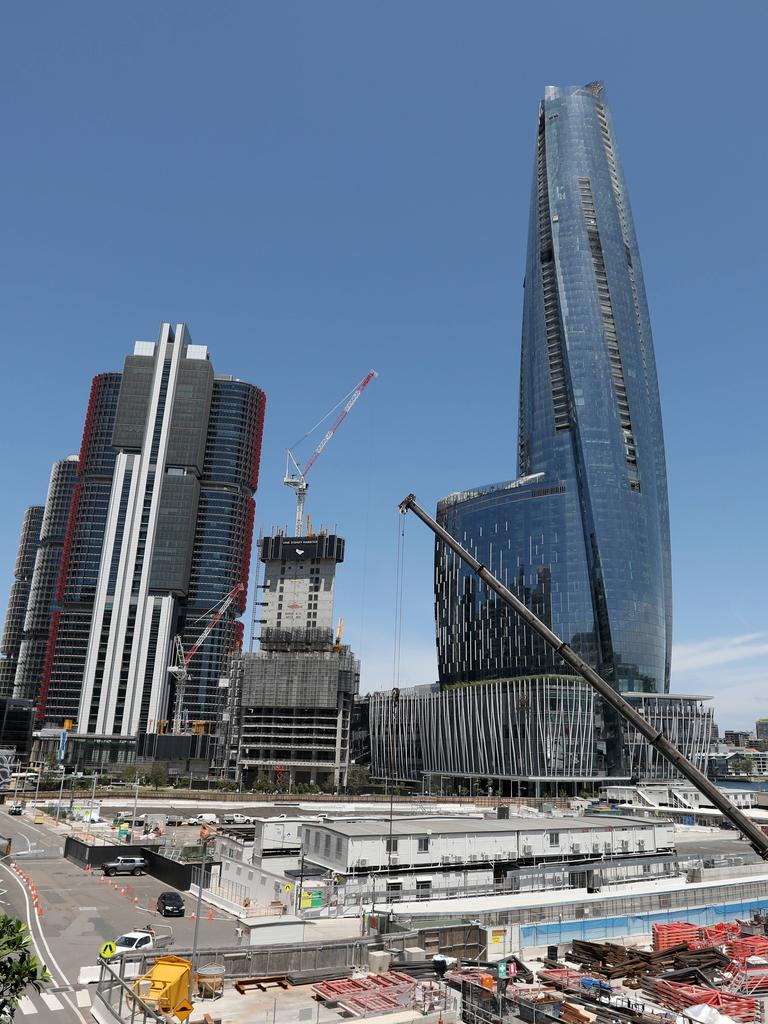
column 752, row 832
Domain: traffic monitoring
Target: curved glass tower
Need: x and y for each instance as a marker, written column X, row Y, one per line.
column 583, row 534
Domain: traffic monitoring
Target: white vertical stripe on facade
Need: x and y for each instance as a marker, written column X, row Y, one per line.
column 135, row 689
column 124, row 464
column 158, row 701
column 124, row 587
column 108, row 692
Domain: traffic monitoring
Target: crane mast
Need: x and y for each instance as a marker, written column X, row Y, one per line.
column 295, row 476
column 751, row 832
column 180, row 671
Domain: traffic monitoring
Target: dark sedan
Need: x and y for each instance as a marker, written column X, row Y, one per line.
column 170, row 904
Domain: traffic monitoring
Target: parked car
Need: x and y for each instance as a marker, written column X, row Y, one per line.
column 203, row 819
column 143, row 940
column 174, row 819
column 170, row 904
column 237, row 819
column 125, row 866
column 15, row 808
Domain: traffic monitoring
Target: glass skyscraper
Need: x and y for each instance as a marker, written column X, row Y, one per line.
column 582, row 535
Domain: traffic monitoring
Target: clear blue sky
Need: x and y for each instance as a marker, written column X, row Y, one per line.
column 322, row 188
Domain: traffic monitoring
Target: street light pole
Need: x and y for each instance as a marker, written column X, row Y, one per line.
column 135, row 803
column 61, row 793
column 200, row 884
column 93, row 796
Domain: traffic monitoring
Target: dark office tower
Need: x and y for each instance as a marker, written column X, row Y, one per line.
column 67, row 648
column 42, row 597
column 583, row 534
column 160, row 532
column 13, row 630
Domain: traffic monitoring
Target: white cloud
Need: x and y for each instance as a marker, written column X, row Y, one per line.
column 718, row 651
column 732, row 669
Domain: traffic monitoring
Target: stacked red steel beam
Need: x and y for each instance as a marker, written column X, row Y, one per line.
column 748, row 977
column 676, row 995
column 563, row 978
column 672, row 934
column 359, row 995
column 747, row 945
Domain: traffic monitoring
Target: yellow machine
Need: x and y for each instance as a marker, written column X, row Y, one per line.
column 166, row 986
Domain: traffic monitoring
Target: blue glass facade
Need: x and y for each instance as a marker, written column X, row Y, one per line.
column 583, row 534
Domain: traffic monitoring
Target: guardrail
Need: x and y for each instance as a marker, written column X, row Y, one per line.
column 117, row 1000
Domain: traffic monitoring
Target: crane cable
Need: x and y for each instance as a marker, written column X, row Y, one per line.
column 399, row 575
column 324, row 418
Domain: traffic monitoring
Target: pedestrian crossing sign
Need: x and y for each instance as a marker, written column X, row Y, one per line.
column 107, row 951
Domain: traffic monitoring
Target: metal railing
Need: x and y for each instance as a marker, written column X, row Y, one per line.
column 118, row 997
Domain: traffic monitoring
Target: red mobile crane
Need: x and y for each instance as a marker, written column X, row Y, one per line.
column 298, row 480
column 180, row 671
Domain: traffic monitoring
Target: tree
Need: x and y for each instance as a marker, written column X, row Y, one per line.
column 358, row 778
column 741, row 765
column 158, row 775
column 19, row 967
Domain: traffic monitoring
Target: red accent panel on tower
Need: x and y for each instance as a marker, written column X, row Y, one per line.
column 66, row 553
column 45, row 682
column 255, row 439
column 88, row 426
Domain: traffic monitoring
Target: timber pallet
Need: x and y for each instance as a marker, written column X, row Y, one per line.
column 246, row 984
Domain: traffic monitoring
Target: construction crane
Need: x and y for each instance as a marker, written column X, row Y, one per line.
column 297, row 480
column 180, row 671
column 751, row 832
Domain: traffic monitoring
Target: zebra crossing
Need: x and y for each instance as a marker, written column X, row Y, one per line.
column 49, row 1002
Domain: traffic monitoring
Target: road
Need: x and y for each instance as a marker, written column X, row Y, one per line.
column 718, row 844
column 79, row 914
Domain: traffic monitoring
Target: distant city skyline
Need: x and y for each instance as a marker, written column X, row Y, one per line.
column 373, row 216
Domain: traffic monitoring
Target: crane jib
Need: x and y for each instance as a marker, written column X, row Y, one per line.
column 752, row 832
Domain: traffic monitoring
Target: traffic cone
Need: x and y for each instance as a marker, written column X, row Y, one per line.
column 40, row 910
column 102, row 880
column 122, row 892
column 210, row 915
column 194, row 915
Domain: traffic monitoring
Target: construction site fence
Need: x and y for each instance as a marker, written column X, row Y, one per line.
column 625, row 917
column 252, row 796
column 297, row 958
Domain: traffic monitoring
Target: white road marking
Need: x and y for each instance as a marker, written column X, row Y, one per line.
column 27, row 1006
column 32, row 921
column 51, row 1001
column 83, row 997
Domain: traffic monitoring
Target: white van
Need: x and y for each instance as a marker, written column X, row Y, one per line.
column 203, row 819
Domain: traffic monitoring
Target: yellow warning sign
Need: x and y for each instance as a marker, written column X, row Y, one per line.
column 183, row 1010
column 107, row 951
column 288, row 887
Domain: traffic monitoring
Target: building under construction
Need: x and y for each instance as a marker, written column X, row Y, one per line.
column 296, row 693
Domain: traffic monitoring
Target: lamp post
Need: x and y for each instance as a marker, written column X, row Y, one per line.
column 200, row 883
column 135, row 804
column 61, row 793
